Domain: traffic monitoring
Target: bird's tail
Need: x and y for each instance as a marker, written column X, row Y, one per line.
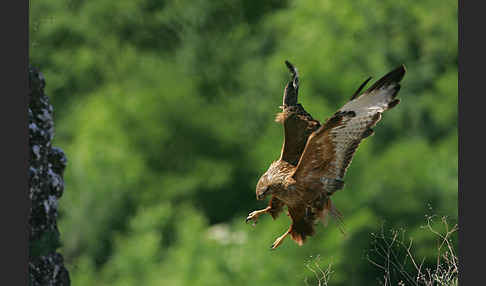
column 303, row 220
column 302, row 225
column 330, row 210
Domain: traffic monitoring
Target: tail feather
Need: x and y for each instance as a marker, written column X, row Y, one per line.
column 302, row 226
column 328, row 210
column 303, row 220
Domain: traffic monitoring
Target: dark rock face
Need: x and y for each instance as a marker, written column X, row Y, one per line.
column 46, row 185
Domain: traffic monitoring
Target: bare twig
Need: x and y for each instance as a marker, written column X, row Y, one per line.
column 322, row 275
column 388, row 248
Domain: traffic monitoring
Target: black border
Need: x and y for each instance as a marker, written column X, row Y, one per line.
column 14, row 140
column 471, row 143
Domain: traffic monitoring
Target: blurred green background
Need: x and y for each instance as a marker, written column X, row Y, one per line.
column 165, row 110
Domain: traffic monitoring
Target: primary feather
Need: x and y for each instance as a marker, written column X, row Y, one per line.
column 330, row 149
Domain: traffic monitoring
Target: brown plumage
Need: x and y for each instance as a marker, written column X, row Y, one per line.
column 315, row 156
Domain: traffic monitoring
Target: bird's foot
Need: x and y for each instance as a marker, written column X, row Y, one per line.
column 279, row 240
column 253, row 216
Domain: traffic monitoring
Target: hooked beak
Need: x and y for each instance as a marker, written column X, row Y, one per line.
column 262, row 195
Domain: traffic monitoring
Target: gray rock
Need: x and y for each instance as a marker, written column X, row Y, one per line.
column 46, row 186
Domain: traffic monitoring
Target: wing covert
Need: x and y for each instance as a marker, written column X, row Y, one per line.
column 330, row 149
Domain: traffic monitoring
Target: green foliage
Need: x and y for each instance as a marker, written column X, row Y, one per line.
column 165, row 110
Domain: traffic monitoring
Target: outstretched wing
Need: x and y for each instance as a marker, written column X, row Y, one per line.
column 298, row 124
column 330, row 149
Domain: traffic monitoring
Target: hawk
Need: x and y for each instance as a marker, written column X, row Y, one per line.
column 315, row 156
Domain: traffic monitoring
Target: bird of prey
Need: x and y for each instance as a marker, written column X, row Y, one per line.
column 315, row 156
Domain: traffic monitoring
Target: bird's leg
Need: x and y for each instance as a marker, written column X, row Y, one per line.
column 280, row 239
column 254, row 215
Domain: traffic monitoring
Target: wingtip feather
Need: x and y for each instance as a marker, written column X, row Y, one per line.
column 291, row 68
column 356, row 93
column 395, row 76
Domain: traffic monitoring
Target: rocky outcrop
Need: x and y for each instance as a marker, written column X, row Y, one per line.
column 46, row 185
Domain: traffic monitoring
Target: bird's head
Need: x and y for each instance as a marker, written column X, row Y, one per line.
column 263, row 187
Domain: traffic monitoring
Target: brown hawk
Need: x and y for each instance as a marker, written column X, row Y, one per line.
column 315, row 156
